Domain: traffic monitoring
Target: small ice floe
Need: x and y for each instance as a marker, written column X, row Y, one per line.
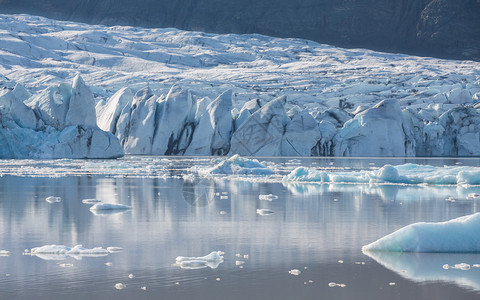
column 144, row 288
column 60, row 252
column 212, row 260
column 268, row 197
column 223, row 212
column 295, row 272
column 102, row 209
column 391, row 283
column 131, row 276
column 461, row 266
column 217, row 279
column 65, row 265
column 239, row 262
column 110, row 206
column 120, row 286
column 4, row 253
column 450, row 199
column 108, row 264
column 114, row 249
column 53, row 199
column 189, row 177
column 264, row 211
column 473, row 196
column 90, row 201
column 237, row 165
column 340, row 261
column 333, row 284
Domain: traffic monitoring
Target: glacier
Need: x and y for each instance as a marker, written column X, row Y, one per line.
column 58, row 122
column 172, row 92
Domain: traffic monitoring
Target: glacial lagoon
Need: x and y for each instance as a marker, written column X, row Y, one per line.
column 278, row 239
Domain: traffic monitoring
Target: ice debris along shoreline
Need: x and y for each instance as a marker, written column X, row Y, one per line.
column 167, row 91
column 388, row 174
column 460, row 235
column 211, row 260
column 237, row 165
column 59, row 122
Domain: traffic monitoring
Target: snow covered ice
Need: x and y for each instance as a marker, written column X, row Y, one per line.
column 237, row 165
column 388, row 174
column 59, row 122
column 166, row 91
column 459, row 235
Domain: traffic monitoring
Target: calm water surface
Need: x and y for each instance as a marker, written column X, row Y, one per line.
column 317, row 229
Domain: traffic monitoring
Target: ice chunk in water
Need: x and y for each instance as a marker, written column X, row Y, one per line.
column 110, row 206
column 114, row 249
column 212, row 260
column 52, row 199
column 268, row 197
column 120, row 286
column 237, row 165
column 264, row 211
column 90, row 201
column 4, row 253
column 295, row 272
column 60, row 252
column 457, row 235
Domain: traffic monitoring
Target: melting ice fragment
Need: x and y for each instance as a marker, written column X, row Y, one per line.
column 264, row 211
column 237, row 165
column 90, row 201
column 388, row 174
column 120, row 286
column 114, row 249
column 212, row 260
column 109, row 206
column 460, row 235
column 295, row 272
column 268, row 197
column 4, row 253
column 52, row 199
column 60, row 252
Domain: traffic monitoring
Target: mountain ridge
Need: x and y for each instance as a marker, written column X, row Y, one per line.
column 440, row 28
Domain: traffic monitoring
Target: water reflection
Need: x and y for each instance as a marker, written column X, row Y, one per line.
column 314, row 226
column 429, row 267
column 198, row 191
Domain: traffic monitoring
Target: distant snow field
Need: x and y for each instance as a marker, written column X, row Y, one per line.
column 84, row 91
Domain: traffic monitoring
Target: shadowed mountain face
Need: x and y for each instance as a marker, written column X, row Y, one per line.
column 443, row 28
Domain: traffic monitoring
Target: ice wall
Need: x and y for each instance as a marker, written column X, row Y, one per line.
column 181, row 124
column 59, row 122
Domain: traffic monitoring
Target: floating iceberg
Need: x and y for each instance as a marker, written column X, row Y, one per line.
column 401, row 174
column 459, row 235
column 237, row 165
column 60, row 252
column 53, row 199
column 109, row 206
column 212, row 260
